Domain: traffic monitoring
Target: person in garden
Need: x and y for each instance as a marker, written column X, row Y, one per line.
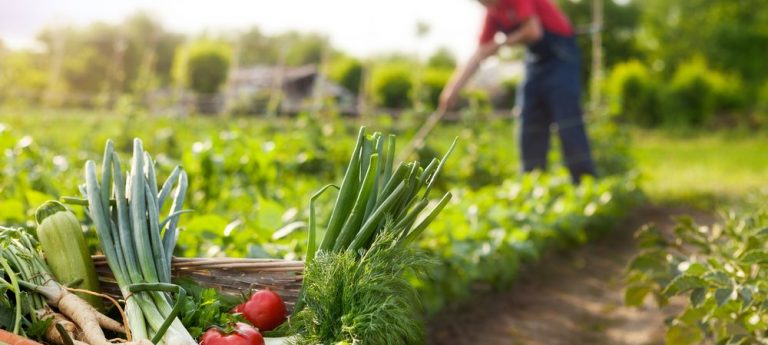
column 551, row 90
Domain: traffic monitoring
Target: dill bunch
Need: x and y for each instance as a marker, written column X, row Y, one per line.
column 364, row 297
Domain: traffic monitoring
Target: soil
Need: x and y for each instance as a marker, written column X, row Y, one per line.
column 573, row 297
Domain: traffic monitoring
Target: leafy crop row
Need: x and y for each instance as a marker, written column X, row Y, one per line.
column 249, row 183
column 492, row 232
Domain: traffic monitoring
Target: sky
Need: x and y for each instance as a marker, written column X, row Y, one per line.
column 360, row 27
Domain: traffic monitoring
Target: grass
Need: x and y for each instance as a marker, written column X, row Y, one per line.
column 703, row 168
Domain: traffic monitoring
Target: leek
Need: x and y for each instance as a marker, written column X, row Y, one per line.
column 138, row 245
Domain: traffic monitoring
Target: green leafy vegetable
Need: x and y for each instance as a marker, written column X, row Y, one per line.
column 136, row 242
column 722, row 269
column 372, row 195
column 368, row 299
column 205, row 307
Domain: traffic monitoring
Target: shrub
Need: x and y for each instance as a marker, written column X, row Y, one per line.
column 479, row 102
column 507, row 97
column 348, row 72
column 391, row 86
column 731, row 94
column 721, row 269
column 633, row 94
column 23, row 80
column 250, row 104
column 761, row 104
column 443, row 58
column 696, row 93
column 433, row 82
column 203, row 66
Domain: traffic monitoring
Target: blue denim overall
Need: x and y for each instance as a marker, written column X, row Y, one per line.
column 551, row 93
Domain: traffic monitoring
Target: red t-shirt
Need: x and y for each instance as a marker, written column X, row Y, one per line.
column 507, row 14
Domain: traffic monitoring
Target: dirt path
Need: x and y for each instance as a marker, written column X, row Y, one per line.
column 569, row 298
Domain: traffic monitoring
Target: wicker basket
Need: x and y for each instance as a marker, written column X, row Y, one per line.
column 230, row 276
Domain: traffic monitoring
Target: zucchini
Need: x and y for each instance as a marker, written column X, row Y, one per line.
column 66, row 252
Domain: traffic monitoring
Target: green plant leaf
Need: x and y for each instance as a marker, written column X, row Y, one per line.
column 737, row 340
column 635, row 295
column 37, row 329
column 649, row 236
column 746, row 296
column 682, row 334
column 696, row 269
column 757, row 256
column 7, row 315
column 648, row 262
column 722, row 296
column 718, row 279
column 682, row 284
column 698, row 296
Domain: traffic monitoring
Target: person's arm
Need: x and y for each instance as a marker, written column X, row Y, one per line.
column 462, row 74
column 530, row 31
column 529, row 28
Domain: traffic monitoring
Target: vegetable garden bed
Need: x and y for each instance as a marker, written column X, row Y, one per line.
column 353, row 289
column 487, row 230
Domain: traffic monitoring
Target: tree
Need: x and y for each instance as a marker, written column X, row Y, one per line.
column 149, row 54
column 731, row 35
column 85, row 56
column 348, row 72
column 433, row 82
column 621, row 26
column 257, row 48
column 23, row 77
column 391, row 85
column 202, row 66
column 302, row 48
column 109, row 59
column 291, row 48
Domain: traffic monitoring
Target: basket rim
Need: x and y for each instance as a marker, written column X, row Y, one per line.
column 224, row 263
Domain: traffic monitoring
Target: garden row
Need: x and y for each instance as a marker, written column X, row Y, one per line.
column 250, row 184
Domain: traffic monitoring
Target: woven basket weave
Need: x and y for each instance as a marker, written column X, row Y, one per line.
column 229, row 276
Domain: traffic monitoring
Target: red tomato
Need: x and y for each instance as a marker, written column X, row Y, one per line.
column 238, row 309
column 265, row 310
column 243, row 335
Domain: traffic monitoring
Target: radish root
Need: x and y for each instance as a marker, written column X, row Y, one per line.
column 52, row 334
column 80, row 312
column 105, row 321
column 87, row 319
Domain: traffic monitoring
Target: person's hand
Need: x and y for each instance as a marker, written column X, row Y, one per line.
column 460, row 77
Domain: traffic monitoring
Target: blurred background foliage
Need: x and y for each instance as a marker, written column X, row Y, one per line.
column 668, row 63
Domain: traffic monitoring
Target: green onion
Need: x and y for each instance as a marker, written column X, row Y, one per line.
column 344, row 201
column 13, row 286
column 138, row 245
column 358, row 210
column 374, row 196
